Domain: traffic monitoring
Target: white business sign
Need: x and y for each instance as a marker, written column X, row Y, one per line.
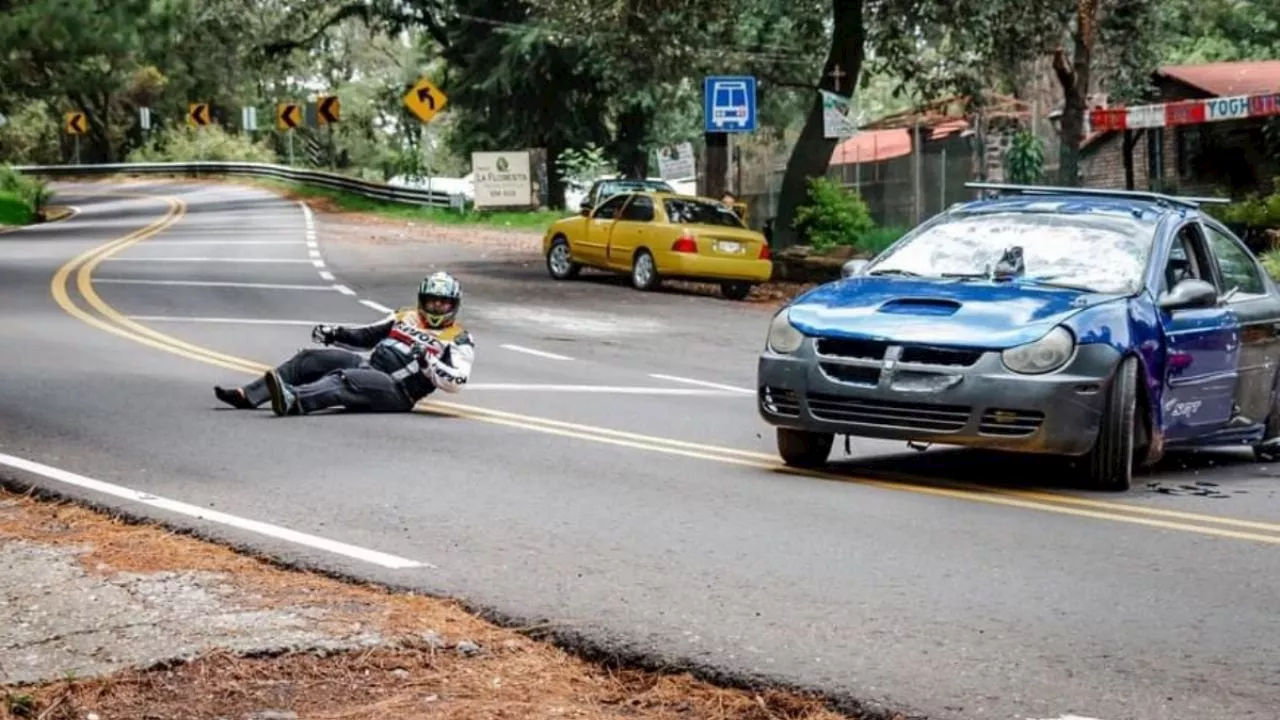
column 502, row 178
column 676, row 162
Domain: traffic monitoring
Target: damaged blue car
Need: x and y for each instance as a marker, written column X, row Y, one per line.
column 1102, row 325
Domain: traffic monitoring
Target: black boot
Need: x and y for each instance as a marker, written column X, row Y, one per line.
column 233, row 397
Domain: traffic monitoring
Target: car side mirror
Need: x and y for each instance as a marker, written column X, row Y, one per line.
column 1188, row 294
column 853, row 267
column 584, row 208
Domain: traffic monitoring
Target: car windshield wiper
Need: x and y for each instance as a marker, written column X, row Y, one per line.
column 894, row 271
column 1047, row 281
column 965, row 276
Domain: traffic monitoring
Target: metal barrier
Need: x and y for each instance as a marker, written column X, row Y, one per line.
column 333, row 181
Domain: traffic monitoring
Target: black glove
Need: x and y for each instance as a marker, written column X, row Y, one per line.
column 322, row 334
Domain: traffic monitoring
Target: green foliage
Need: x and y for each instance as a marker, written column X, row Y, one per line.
column 31, row 136
column 210, row 143
column 1255, row 211
column 29, row 191
column 1200, row 31
column 581, row 167
column 1024, row 160
column 1271, row 263
column 832, row 216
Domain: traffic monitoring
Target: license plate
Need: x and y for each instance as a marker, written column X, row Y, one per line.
column 728, row 246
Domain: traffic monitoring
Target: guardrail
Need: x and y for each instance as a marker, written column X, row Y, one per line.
column 317, row 178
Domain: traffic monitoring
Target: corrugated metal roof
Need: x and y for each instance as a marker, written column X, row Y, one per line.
column 1229, row 78
column 879, row 145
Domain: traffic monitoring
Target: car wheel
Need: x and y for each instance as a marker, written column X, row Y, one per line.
column 1110, row 462
column 560, row 261
column 735, row 290
column 804, row 449
column 644, row 271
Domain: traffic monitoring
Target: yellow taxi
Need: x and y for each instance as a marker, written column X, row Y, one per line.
column 658, row 235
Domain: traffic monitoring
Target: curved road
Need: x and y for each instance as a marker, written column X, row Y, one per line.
column 571, row 485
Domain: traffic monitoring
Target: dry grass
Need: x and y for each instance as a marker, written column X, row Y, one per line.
column 511, row 676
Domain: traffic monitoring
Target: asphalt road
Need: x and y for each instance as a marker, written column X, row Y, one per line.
column 653, row 520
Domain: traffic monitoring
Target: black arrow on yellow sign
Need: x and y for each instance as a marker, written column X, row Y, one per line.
column 328, row 109
column 198, row 114
column 288, row 116
column 75, row 123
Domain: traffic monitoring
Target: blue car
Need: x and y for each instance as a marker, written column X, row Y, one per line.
column 1108, row 326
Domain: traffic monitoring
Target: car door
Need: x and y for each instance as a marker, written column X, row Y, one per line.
column 1256, row 307
column 633, row 229
column 1202, row 346
column 595, row 242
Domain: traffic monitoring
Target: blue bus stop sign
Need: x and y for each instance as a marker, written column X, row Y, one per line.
column 729, row 104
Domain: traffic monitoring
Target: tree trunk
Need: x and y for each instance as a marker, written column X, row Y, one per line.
column 812, row 154
column 1075, row 91
column 633, row 127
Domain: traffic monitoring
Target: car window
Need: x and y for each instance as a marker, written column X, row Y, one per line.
column 1237, row 266
column 700, row 212
column 608, row 209
column 613, row 187
column 1184, row 260
column 1096, row 251
column 638, row 210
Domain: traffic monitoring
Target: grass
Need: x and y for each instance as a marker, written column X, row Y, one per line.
column 535, row 221
column 14, row 211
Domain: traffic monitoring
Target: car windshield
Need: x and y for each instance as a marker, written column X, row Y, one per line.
column 700, row 212
column 1105, row 253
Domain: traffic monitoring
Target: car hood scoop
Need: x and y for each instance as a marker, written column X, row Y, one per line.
column 933, row 307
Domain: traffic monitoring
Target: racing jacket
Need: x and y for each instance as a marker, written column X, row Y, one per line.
column 420, row 359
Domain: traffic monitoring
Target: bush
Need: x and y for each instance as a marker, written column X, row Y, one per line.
column 210, row 143
column 833, row 216
column 21, row 196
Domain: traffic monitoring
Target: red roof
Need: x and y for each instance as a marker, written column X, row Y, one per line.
column 880, row 145
column 1224, row 79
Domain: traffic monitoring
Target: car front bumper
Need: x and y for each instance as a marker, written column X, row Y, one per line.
column 950, row 398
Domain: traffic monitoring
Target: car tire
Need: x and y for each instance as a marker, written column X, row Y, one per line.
column 644, row 271
column 735, row 290
column 559, row 260
column 804, row 449
column 1109, row 465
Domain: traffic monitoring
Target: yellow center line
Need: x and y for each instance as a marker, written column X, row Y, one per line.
column 85, row 263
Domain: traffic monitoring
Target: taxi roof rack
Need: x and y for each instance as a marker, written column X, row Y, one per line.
column 1012, row 189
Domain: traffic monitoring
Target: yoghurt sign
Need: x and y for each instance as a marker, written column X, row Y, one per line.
column 502, row 179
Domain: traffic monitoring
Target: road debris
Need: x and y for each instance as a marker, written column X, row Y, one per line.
column 117, row 620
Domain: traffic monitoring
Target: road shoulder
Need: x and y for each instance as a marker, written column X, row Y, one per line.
column 121, row 619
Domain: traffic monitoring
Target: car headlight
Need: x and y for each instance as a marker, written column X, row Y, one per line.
column 1044, row 355
column 783, row 336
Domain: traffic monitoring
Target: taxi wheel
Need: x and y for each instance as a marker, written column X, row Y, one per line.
column 560, row 262
column 644, row 271
column 735, row 290
column 804, row 449
column 1110, row 462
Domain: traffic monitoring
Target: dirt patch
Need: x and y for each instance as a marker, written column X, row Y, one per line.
column 430, row 658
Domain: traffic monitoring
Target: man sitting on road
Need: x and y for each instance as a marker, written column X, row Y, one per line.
column 415, row 352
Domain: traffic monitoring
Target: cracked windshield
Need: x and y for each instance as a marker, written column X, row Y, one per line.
column 1103, row 254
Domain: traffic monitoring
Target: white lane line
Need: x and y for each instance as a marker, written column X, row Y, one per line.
column 313, row 253
column 211, row 283
column 344, row 290
column 703, row 383
column 151, row 243
column 326, row 275
column 607, row 389
column 317, row 263
column 539, row 353
column 228, row 321
column 275, row 531
column 376, row 306
column 207, row 260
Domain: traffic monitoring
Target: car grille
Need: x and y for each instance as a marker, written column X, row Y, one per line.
column 780, row 402
column 1010, row 423
column 875, row 350
column 924, row 417
column 852, row 374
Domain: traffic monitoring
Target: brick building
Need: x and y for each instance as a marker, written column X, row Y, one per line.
column 1235, row 156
